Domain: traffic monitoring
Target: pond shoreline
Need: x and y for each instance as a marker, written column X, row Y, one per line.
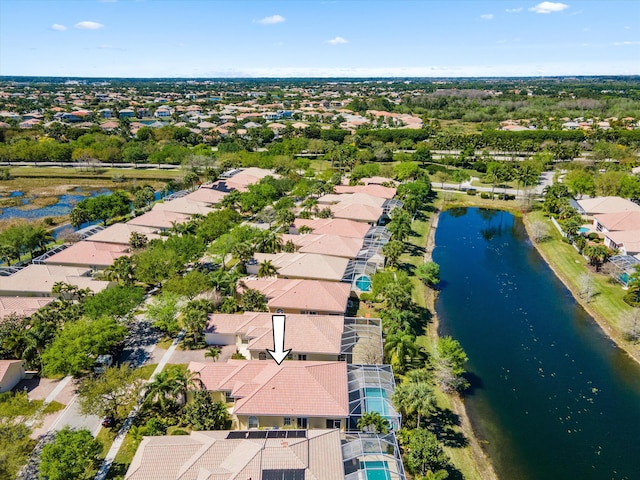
column 605, row 326
column 480, row 457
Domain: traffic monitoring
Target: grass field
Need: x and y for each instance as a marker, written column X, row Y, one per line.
column 100, row 173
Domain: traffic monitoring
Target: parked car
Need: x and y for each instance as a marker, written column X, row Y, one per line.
column 108, row 422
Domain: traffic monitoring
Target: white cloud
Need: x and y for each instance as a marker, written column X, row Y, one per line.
column 273, row 19
column 487, row 16
column 58, row 27
column 88, row 25
column 513, row 10
column 619, row 44
column 549, row 7
column 337, row 41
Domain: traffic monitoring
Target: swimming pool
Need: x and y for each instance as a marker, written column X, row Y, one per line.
column 375, row 401
column 363, row 283
column 583, row 230
column 376, row 470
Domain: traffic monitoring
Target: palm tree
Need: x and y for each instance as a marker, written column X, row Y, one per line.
column 400, row 349
column 267, row 269
column 437, row 475
column 169, row 388
column 212, row 353
column 159, row 390
column 414, row 398
column 121, row 271
column 373, row 422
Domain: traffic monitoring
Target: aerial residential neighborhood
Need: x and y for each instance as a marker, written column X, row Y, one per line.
column 319, row 240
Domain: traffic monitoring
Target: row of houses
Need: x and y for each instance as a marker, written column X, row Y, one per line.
column 332, row 376
column 617, row 221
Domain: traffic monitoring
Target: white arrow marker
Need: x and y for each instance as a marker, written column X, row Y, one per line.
column 278, row 353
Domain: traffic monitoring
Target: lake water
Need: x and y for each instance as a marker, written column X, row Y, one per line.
column 64, row 205
column 552, row 396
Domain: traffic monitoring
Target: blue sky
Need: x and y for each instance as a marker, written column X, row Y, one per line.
column 232, row 38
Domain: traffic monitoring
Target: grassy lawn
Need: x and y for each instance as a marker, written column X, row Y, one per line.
column 123, row 459
column 607, row 303
column 100, row 173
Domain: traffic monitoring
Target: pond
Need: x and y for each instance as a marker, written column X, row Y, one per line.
column 552, row 396
column 63, row 206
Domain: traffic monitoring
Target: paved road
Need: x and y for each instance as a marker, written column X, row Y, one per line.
column 546, row 178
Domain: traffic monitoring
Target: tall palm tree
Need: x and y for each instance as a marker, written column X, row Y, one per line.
column 400, row 348
column 212, row 353
column 267, row 269
column 414, row 398
column 121, row 271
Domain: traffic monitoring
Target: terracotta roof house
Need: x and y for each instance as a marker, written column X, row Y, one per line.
column 627, row 241
column 11, row 372
column 38, row 280
column 94, row 255
column 302, row 265
column 22, row 306
column 225, row 455
column 600, row 205
column 351, row 198
column 249, row 176
column 610, row 222
column 371, row 189
column 357, row 212
column 334, row 245
column 311, row 337
column 333, row 226
column 314, row 297
column 160, row 219
column 120, row 233
column 184, row 205
column 268, row 395
column 207, row 195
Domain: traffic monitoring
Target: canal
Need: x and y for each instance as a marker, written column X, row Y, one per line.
column 552, row 397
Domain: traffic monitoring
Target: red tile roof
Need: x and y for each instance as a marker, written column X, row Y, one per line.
column 294, row 388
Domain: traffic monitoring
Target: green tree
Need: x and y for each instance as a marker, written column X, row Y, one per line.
column 253, row 301
column 400, row 224
column 73, row 455
column 267, row 269
column 203, row 413
column 188, row 285
column 79, row 344
column 460, row 176
column 121, row 271
column 138, row 241
column 114, row 302
column 113, row 393
column 429, row 273
column 423, row 452
column 373, row 422
column 411, row 398
column 163, row 312
column 400, row 349
column 392, row 251
column 448, row 364
column 212, row 353
column 597, row 255
column 580, row 182
column 194, row 319
column 168, row 389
